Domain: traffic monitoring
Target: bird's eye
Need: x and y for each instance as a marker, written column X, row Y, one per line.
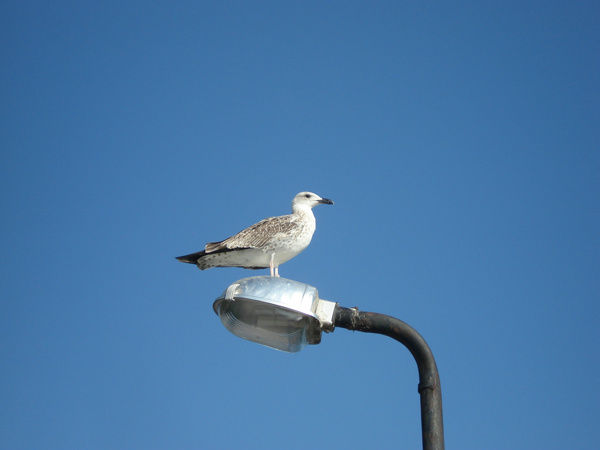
column 307, row 195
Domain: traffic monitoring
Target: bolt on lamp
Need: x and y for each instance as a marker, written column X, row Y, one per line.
column 286, row 315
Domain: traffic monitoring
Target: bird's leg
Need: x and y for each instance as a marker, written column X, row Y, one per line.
column 272, row 264
column 277, row 271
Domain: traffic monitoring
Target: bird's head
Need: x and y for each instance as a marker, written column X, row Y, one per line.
column 308, row 200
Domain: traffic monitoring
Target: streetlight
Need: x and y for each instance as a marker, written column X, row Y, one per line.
column 286, row 315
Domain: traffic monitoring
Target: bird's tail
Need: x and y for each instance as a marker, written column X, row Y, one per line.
column 192, row 258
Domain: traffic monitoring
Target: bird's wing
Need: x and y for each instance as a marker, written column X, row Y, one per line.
column 255, row 236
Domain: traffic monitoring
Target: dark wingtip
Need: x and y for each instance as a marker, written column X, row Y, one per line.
column 192, row 258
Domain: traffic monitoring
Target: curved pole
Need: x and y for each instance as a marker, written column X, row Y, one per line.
column 432, row 425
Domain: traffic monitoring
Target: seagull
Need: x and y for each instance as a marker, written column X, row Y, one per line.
column 268, row 243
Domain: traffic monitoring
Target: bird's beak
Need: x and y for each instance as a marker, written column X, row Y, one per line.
column 326, row 201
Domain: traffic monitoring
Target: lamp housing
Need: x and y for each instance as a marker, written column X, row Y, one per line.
column 277, row 312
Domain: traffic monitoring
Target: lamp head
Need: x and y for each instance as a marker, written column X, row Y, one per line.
column 276, row 312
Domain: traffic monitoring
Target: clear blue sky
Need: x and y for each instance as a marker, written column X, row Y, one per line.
column 459, row 141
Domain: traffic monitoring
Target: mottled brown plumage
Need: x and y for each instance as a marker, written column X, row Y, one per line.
column 268, row 243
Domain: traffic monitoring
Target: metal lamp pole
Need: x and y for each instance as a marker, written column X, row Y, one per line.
column 286, row 315
column 429, row 381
